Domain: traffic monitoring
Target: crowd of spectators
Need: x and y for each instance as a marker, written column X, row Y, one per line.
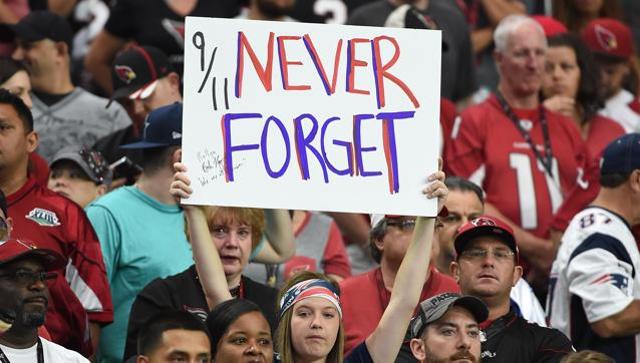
column 533, row 256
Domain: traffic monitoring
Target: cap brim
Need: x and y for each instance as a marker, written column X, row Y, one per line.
column 476, row 306
column 24, row 32
column 144, row 91
column 143, row 145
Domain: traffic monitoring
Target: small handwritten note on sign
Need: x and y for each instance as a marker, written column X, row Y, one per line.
column 311, row 116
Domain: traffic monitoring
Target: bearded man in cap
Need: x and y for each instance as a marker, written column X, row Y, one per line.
column 24, row 273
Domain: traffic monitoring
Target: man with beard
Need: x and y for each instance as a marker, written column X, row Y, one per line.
column 24, row 272
column 274, row 10
column 487, row 267
column 446, row 329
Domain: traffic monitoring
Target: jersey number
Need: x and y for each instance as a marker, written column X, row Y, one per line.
column 521, row 163
column 336, row 8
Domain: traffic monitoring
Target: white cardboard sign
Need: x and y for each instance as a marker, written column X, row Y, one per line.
column 311, row 116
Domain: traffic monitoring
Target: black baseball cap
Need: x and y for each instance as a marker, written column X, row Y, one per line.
column 434, row 308
column 622, row 155
column 43, row 24
column 136, row 71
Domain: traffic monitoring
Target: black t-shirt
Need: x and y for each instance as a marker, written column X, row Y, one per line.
column 513, row 339
column 184, row 292
column 152, row 22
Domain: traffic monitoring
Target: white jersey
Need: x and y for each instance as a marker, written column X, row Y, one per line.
column 528, row 303
column 617, row 108
column 595, row 276
column 51, row 352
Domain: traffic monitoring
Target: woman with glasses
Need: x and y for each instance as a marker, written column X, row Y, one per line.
column 310, row 315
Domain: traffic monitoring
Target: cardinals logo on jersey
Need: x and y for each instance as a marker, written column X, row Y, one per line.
column 125, row 73
column 606, row 38
column 618, row 280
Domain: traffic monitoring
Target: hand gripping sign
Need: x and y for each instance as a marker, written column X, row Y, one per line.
column 311, row 116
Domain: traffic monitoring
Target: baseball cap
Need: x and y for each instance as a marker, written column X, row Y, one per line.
column 485, row 226
column 622, row 155
column 43, row 24
column 550, row 25
column 15, row 249
column 608, row 37
column 136, row 71
column 434, row 308
column 163, row 127
column 90, row 161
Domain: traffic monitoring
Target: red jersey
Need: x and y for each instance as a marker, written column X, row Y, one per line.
column 52, row 221
column 489, row 150
column 602, row 131
column 448, row 119
column 364, row 298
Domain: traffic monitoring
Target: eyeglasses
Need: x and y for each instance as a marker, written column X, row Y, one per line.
column 478, row 254
column 27, row 278
column 403, row 225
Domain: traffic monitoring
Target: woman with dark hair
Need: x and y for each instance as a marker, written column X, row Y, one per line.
column 239, row 332
column 575, row 14
column 571, row 87
column 15, row 78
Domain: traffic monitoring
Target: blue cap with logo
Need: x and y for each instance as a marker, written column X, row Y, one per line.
column 622, row 155
column 163, row 127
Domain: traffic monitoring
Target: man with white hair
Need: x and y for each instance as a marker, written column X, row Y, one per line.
column 526, row 158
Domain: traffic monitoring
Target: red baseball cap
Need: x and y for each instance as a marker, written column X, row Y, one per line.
column 550, row 25
column 485, row 226
column 15, row 249
column 609, row 37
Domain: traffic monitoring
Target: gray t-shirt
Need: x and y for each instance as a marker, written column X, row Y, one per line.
column 80, row 118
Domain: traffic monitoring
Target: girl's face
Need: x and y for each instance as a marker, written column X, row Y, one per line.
column 315, row 323
column 20, row 85
column 248, row 340
column 562, row 73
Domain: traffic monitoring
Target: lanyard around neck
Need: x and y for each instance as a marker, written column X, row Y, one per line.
column 547, row 160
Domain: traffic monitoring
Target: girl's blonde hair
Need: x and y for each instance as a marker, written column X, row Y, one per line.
column 283, row 333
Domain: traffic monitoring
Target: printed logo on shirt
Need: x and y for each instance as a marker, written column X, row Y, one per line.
column 487, row 354
column 43, row 217
column 125, row 73
column 618, row 280
column 526, row 125
column 176, row 135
